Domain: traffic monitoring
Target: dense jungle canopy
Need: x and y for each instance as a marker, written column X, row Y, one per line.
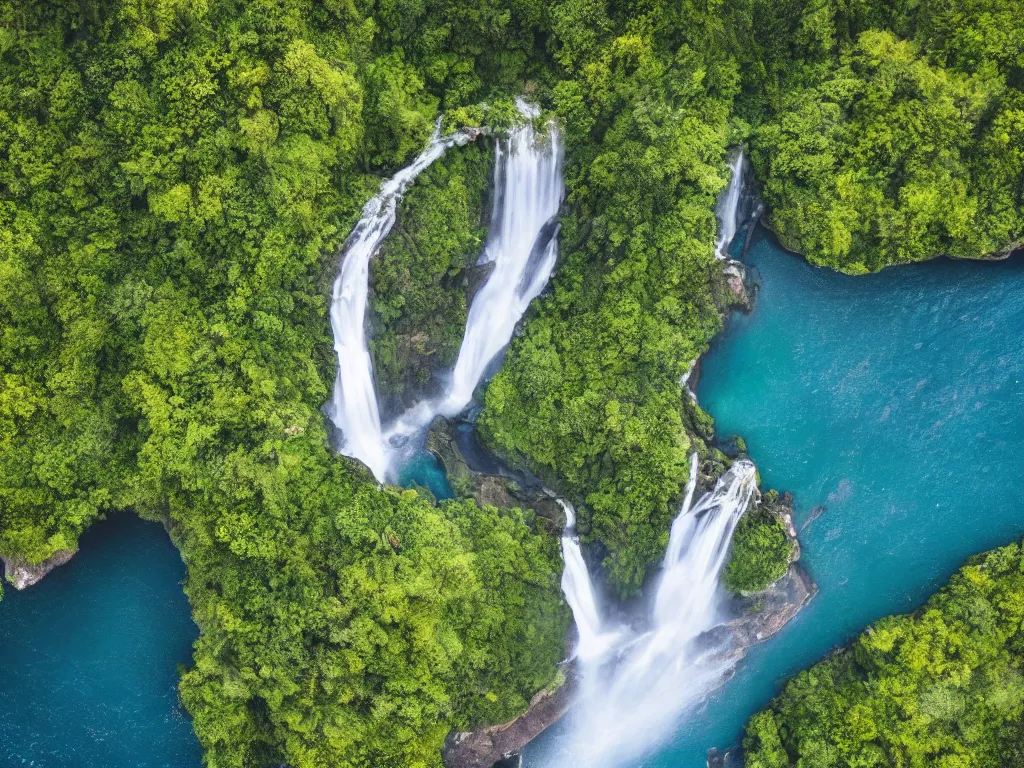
column 176, row 178
column 940, row 687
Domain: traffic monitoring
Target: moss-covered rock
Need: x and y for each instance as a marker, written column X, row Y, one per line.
column 489, row 489
column 423, row 278
column 762, row 546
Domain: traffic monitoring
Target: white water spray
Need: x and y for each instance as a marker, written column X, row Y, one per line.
column 631, row 705
column 579, row 594
column 523, row 245
column 675, row 539
column 728, row 208
column 353, row 406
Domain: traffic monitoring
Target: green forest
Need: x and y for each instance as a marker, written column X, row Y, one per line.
column 176, row 179
column 941, row 687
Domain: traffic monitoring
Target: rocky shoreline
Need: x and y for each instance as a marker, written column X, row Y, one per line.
column 488, row 746
column 21, row 574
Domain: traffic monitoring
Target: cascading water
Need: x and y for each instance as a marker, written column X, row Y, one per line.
column 523, row 245
column 353, row 407
column 629, row 705
column 728, row 208
column 579, row 593
column 675, row 539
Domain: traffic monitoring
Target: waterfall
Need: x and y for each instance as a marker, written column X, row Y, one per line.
column 353, row 407
column 523, row 245
column 676, row 537
column 579, row 593
column 728, row 208
column 633, row 702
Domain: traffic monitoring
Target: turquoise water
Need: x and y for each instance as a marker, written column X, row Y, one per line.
column 895, row 400
column 425, row 470
column 89, row 657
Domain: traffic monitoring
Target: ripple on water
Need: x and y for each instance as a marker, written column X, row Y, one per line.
column 89, row 657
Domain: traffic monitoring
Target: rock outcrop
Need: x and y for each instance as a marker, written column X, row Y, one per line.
column 735, row 274
column 761, row 615
column 489, row 746
column 497, row 488
column 22, row 574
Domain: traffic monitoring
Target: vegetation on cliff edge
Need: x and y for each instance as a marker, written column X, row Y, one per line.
column 941, row 687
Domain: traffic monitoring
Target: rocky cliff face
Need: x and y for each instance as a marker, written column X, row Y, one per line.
column 502, row 743
column 22, row 574
column 497, row 487
column 761, row 615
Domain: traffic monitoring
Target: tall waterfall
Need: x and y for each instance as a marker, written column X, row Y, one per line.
column 579, row 593
column 353, row 407
column 728, row 208
column 523, row 245
column 631, row 704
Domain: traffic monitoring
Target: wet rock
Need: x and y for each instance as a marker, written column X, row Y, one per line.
column 735, row 274
column 22, row 574
column 442, row 443
column 496, row 490
column 761, row 615
column 733, row 446
column 474, row 279
column 498, row 744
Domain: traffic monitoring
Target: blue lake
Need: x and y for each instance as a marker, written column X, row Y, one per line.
column 893, row 399
column 89, row 657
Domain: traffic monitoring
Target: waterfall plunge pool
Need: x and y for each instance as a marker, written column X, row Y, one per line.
column 894, row 401
column 424, row 470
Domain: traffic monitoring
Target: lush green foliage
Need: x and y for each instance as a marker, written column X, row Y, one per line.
column 590, row 392
column 421, row 276
column 875, row 150
column 943, row 687
column 760, row 549
column 175, row 178
column 368, row 628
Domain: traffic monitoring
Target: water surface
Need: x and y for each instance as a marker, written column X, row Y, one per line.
column 423, row 469
column 894, row 400
column 89, row 657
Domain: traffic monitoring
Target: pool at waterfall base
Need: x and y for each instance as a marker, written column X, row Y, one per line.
column 890, row 406
column 423, row 469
